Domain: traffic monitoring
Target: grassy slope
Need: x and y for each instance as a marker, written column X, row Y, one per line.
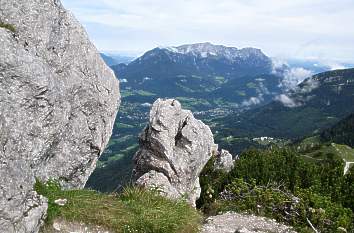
column 343, row 151
column 134, row 210
column 312, row 150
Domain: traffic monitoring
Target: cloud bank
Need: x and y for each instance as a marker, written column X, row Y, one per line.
column 287, row 28
column 287, row 101
column 293, row 77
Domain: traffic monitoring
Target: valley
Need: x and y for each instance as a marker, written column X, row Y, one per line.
column 239, row 109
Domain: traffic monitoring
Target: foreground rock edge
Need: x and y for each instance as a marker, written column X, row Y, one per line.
column 58, row 103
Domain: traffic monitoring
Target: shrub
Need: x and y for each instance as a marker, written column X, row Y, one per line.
column 274, row 202
column 212, row 182
column 279, row 183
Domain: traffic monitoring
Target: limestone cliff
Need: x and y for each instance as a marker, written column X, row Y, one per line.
column 58, row 102
column 174, row 148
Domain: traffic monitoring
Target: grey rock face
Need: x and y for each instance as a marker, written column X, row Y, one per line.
column 58, row 102
column 174, row 148
column 224, row 161
column 63, row 226
column 239, row 223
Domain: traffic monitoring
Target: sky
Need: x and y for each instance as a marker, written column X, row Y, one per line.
column 301, row 29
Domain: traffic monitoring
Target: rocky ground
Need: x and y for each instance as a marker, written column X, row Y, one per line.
column 62, row 226
column 226, row 223
column 238, row 223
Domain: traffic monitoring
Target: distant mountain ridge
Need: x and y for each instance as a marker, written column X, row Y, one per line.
column 204, row 59
column 202, row 70
column 114, row 59
column 318, row 103
column 209, row 50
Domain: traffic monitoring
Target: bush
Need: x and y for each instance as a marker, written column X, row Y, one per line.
column 135, row 210
column 274, row 202
column 212, row 182
column 280, row 184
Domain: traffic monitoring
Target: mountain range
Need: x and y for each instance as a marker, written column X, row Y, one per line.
column 112, row 59
column 239, row 93
column 210, row 80
column 316, row 104
column 213, row 73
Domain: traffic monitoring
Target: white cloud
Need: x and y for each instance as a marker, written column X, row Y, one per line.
column 309, row 85
column 293, row 77
column 252, row 101
column 279, row 65
column 334, row 65
column 299, row 28
column 287, row 101
column 262, row 89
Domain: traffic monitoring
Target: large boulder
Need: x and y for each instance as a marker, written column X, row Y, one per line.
column 174, row 148
column 58, row 103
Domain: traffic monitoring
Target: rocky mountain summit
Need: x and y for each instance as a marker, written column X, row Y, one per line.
column 58, row 103
column 200, row 59
column 174, row 148
column 209, row 50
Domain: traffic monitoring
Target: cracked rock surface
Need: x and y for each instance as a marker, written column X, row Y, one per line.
column 239, row 223
column 174, row 148
column 58, row 102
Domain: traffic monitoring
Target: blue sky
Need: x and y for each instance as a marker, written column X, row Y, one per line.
column 317, row 29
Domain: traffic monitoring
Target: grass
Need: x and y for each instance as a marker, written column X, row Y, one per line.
column 251, row 85
column 127, row 93
column 145, row 93
column 240, row 93
column 220, row 80
column 135, row 210
column 185, row 89
column 124, row 126
column 193, row 103
column 122, row 139
column 7, row 26
column 343, row 151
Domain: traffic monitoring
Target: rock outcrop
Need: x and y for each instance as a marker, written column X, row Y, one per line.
column 238, row 223
column 58, row 102
column 174, row 148
column 224, row 161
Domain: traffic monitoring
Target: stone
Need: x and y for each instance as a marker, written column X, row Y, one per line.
column 174, row 148
column 224, row 161
column 58, row 103
column 231, row 222
column 61, row 202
